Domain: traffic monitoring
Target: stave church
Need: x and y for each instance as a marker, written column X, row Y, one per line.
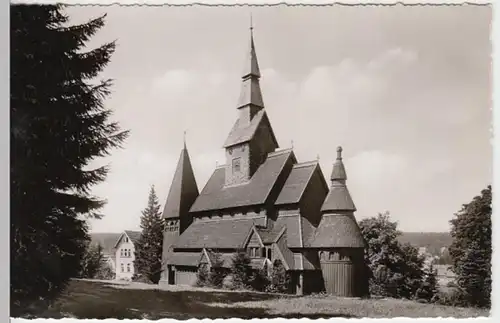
column 263, row 200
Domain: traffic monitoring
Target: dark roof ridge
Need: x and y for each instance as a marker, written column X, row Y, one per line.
column 306, row 164
column 279, row 152
column 251, row 217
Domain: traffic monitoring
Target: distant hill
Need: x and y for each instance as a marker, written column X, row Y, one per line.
column 431, row 240
column 106, row 240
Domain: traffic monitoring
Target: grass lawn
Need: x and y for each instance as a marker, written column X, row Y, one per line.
column 99, row 300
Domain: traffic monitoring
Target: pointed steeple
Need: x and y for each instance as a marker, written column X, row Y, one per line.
column 183, row 190
column 338, row 198
column 338, row 172
column 250, row 90
column 252, row 65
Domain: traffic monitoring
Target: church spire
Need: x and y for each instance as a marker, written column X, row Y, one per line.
column 250, row 91
column 183, row 190
column 338, row 198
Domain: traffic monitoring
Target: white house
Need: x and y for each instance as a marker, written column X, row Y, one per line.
column 125, row 254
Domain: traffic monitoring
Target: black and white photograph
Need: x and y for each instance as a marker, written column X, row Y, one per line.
column 252, row 162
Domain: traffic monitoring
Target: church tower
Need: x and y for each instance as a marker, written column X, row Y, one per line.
column 251, row 137
column 181, row 196
column 339, row 239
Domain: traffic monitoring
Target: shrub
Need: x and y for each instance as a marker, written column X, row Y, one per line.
column 429, row 287
column 217, row 271
column 260, row 279
column 280, row 279
column 395, row 270
column 105, row 272
column 241, row 271
column 202, row 277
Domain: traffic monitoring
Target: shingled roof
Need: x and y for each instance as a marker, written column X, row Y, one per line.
column 183, row 190
column 338, row 198
column 241, row 133
column 296, row 183
column 337, row 231
column 220, row 234
column 215, row 196
column 132, row 235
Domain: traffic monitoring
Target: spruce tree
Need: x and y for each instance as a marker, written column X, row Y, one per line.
column 429, row 287
column 280, row 279
column 92, row 261
column 148, row 250
column 241, row 270
column 217, row 271
column 471, row 249
column 58, row 126
column 202, row 276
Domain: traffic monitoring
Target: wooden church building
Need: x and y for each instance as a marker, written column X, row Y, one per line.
column 265, row 201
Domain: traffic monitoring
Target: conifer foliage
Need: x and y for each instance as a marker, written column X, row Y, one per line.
column 241, row 271
column 148, row 249
column 94, row 264
column 280, row 279
column 58, row 125
column 471, row 250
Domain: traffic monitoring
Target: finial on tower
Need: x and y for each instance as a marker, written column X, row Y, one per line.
column 292, row 143
column 251, row 24
column 184, row 138
column 339, row 152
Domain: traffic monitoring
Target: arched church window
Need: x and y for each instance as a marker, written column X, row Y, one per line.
column 128, row 268
column 321, row 255
column 122, row 268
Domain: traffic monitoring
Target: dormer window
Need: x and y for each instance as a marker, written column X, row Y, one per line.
column 236, row 165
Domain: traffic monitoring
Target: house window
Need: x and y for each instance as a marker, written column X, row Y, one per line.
column 236, row 165
column 263, row 252
column 126, row 239
column 121, row 266
column 121, row 252
column 128, row 268
column 269, row 253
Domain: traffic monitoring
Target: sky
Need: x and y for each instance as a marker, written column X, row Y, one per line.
column 406, row 91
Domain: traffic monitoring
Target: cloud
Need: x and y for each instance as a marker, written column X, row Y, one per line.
column 174, row 82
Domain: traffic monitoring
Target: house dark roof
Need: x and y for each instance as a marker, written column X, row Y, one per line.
column 183, row 190
column 215, row 196
column 229, row 233
column 337, row 231
column 296, row 183
column 133, row 235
